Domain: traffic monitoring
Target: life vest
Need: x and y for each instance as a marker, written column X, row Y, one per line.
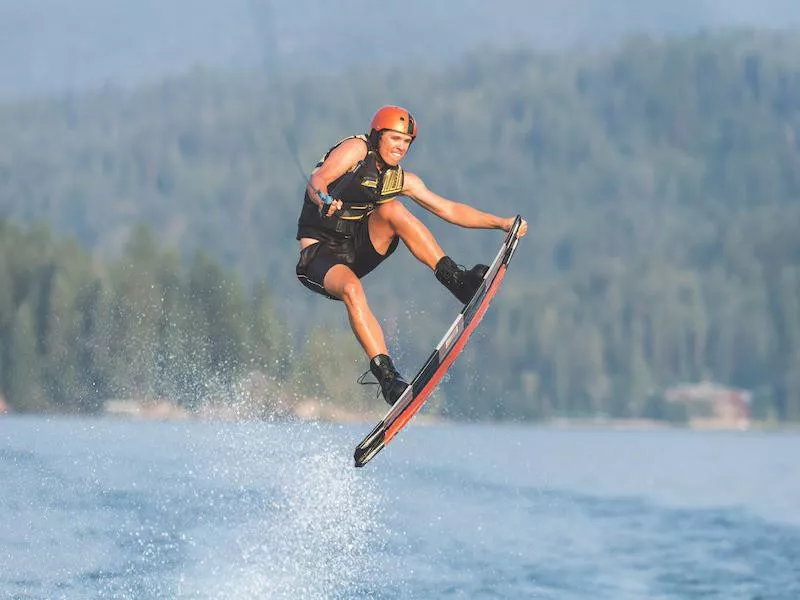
column 361, row 189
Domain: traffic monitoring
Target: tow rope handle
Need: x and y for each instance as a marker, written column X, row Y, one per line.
column 327, row 199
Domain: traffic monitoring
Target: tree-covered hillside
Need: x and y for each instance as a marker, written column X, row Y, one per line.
column 660, row 179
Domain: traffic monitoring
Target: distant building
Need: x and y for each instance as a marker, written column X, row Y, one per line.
column 712, row 405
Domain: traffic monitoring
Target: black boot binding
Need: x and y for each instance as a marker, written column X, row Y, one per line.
column 462, row 283
column 392, row 383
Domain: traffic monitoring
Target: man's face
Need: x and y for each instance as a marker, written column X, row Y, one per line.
column 392, row 146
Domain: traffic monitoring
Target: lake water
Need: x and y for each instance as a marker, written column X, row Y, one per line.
column 96, row 508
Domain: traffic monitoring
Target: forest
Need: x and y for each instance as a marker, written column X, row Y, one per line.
column 148, row 234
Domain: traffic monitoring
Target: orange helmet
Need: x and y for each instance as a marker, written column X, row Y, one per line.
column 394, row 118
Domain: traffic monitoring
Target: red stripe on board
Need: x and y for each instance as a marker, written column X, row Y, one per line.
column 416, row 404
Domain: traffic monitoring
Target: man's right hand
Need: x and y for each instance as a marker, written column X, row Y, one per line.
column 328, row 205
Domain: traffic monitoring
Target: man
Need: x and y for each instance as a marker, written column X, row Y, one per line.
column 351, row 221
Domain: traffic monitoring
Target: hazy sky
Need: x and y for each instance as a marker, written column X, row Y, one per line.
column 55, row 45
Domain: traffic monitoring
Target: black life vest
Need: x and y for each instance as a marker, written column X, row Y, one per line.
column 361, row 189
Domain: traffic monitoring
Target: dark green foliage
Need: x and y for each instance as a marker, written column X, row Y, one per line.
column 661, row 181
column 76, row 334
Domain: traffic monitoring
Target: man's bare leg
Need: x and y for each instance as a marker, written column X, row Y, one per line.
column 393, row 219
column 340, row 281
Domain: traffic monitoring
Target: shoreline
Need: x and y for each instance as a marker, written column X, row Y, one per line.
column 310, row 411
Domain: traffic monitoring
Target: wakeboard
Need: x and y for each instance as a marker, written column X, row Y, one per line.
column 442, row 356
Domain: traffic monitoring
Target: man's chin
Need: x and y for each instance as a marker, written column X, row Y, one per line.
column 391, row 161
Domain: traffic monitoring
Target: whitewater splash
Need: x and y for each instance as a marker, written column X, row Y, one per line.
column 315, row 533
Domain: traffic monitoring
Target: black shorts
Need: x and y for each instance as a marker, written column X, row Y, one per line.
column 357, row 252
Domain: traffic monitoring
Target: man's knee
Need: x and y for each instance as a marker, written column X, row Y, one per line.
column 392, row 211
column 353, row 293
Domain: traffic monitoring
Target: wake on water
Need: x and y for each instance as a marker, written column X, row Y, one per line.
column 314, row 535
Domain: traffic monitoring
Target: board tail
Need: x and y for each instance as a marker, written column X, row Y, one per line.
column 370, row 446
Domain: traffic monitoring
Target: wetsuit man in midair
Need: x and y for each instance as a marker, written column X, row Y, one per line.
column 352, row 220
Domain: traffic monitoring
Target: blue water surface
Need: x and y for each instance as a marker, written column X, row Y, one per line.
column 99, row 508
